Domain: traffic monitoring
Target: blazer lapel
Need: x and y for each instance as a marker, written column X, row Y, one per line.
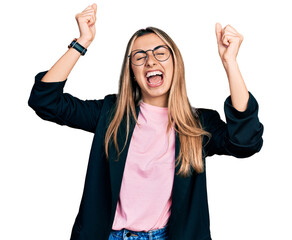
column 180, row 185
column 116, row 168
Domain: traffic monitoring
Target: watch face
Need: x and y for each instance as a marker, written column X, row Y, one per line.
column 77, row 46
column 72, row 43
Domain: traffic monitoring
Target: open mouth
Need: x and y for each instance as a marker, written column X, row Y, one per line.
column 154, row 78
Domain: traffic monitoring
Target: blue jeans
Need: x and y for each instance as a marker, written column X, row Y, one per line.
column 157, row 234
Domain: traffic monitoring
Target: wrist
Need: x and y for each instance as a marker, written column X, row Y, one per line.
column 83, row 42
column 229, row 64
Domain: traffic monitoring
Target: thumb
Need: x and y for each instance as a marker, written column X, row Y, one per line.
column 94, row 6
column 218, row 30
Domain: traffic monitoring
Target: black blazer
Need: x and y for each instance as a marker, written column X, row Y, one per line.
column 189, row 219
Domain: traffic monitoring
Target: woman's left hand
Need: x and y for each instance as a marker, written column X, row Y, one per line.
column 229, row 41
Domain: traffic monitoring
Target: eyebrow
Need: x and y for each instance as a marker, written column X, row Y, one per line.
column 141, row 50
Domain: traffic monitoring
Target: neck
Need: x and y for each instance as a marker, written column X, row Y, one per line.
column 158, row 102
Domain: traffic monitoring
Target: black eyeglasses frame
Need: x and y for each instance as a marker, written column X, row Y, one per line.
column 141, row 50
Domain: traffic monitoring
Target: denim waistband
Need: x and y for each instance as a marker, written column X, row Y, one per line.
column 154, row 234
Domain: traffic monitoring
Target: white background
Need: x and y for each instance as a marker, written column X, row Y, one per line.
column 43, row 165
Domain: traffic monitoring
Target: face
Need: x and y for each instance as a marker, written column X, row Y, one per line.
column 155, row 89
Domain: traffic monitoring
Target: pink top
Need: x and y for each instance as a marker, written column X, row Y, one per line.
column 145, row 195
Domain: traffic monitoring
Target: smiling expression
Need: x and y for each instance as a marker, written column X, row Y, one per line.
column 154, row 94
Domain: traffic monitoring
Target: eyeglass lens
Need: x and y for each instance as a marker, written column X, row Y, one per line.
column 161, row 54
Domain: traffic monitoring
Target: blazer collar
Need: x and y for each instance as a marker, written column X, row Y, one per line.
column 180, row 184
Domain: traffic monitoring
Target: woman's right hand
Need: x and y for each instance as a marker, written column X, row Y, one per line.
column 86, row 23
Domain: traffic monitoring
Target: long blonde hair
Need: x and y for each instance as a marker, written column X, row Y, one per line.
column 180, row 113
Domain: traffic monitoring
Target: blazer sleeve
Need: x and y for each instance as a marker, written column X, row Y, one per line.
column 240, row 136
column 50, row 103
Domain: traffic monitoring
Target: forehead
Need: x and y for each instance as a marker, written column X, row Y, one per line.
column 148, row 41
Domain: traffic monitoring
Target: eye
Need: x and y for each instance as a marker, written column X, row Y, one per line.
column 161, row 53
column 139, row 58
column 139, row 55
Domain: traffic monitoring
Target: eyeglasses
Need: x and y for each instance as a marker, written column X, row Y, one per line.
column 138, row 57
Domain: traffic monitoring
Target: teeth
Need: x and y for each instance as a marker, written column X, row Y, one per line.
column 149, row 74
column 154, row 83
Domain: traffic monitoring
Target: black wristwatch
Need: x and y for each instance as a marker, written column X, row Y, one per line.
column 74, row 44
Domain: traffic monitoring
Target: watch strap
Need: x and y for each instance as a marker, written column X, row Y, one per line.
column 74, row 44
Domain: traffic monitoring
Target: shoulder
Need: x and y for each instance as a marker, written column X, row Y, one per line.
column 110, row 101
column 205, row 115
column 109, row 106
column 110, row 98
column 209, row 119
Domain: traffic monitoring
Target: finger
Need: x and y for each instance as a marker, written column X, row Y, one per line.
column 86, row 18
column 229, row 34
column 94, row 6
column 218, row 30
column 86, row 11
column 82, row 15
column 87, row 8
column 228, row 38
column 89, row 11
column 92, row 12
column 230, row 29
column 90, row 20
column 87, row 14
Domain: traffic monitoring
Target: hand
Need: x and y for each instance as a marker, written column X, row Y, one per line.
column 229, row 41
column 86, row 23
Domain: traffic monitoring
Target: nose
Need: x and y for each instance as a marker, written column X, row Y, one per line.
column 151, row 60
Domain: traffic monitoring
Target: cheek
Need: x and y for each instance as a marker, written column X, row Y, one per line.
column 170, row 70
column 170, row 67
column 137, row 72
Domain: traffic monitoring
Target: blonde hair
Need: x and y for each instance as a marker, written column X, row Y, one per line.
column 180, row 114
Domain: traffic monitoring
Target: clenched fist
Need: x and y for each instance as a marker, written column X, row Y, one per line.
column 86, row 23
column 229, row 41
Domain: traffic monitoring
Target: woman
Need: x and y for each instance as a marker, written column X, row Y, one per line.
column 146, row 177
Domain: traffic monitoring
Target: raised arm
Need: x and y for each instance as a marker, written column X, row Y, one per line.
column 241, row 135
column 229, row 41
column 47, row 97
column 62, row 68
